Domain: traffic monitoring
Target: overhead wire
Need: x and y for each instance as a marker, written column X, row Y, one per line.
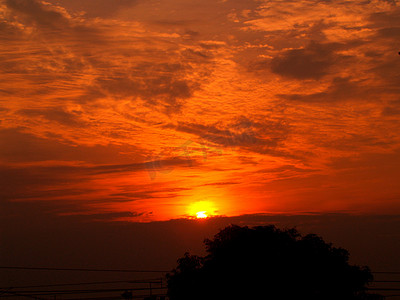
column 157, row 280
column 82, row 269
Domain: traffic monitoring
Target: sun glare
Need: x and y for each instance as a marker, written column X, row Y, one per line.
column 202, row 210
column 201, row 215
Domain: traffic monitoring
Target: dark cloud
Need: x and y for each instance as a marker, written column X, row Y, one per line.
column 52, row 21
column 38, row 14
column 312, row 62
column 386, row 28
column 286, row 169
column 49, row 175
column 62, row 184
column 190, row 34
column 17, row 145
column 9, row 32
column 196, row 55
column 98, row 8
column 263, row 137
column 224, row 137
column 386, row 164
column 162, row 164
column 341, row 89
column 145, row 195
column 53, row 172
column 156, row 83
column 43, row 183
column 393, row 109
column 157, row 76
column 136, row 192
column 387, row 69
column 389, row 32
column 140, row 195
column 51, row 45
column 221, row 183
column 240, row 133
column 352, row 141
column 390, row 18
column 106, row 216
column 58, row 115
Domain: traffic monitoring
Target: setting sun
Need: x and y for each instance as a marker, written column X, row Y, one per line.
column 201, row 215
column 202, row 209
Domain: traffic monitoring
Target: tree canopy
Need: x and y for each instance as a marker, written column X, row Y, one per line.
column 265, row 262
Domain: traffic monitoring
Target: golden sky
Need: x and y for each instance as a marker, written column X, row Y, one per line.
column 148, row 110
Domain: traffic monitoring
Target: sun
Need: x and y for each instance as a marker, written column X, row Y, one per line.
column 201, row 215
column 201, row 210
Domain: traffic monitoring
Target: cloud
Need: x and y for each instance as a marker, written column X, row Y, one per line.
column 58, row 115
column 241, row 132
column 311, row 62
column 98, row 8
column 34, row 168
column 341, row 89
column 154, row 82
column 287, row 169
column 386, row 23
column 164, row 165
column 8, row 31
column 73, row 59
column 95, row 107
column 221, row 184
column 36, row 19
column 132, row 193
column 63, row 184
column 389, row 32
column 393, row 109
column 34, row 12
column 106, row 216
column 19, row 146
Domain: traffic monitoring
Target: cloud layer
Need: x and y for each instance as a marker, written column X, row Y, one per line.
column 138, row 109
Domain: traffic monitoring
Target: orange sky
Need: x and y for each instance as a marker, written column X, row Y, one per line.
column 149, row 110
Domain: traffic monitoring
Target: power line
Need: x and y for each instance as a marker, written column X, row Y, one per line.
column 83, row 269
column 108, row 298
column 21, row 295
column 157, row 280
column 86, row 291
column 5, row 290
column 383, row 289
column 123, row 270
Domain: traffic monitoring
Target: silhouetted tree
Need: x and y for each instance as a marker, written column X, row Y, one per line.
column 127, row 295
column 268, row 263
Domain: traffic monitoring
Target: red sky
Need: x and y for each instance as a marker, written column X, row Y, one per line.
column 153, row 110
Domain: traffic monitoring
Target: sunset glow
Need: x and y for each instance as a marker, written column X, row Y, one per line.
column 132, row 132
column 202, row 209
column 201, row 215
column 155, row 110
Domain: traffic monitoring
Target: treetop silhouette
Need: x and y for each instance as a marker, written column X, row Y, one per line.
column 265, row 262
